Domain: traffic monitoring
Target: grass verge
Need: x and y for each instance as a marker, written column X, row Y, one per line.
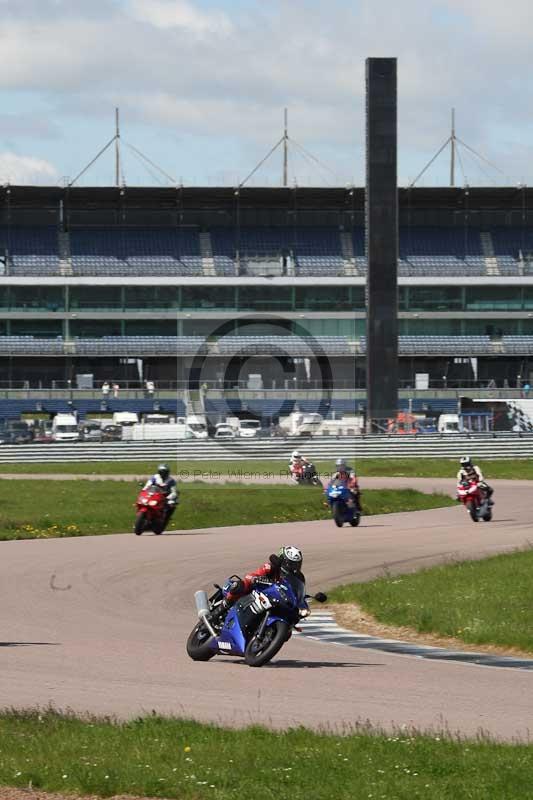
column 402, row 467
column 487, row 602
column 85, row 508
column 156, row 757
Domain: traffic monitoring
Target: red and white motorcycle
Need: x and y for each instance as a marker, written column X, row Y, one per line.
column 475, row 499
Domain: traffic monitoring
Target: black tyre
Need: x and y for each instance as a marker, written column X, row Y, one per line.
column 198, row 643
column 355, row 521
column 140, row 523
column 261, row 650
column 487, row 516
column 338, row 515
column 158, row 527
column 472, row 510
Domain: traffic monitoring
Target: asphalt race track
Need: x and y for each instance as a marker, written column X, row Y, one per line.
column 99, row 624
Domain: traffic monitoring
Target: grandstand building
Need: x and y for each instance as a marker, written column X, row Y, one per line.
column 200, row 285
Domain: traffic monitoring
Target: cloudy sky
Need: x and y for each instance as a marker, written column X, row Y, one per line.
column 201, row 86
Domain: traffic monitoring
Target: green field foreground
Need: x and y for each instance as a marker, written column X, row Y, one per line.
column 204, row 470
column 155, row 757
column 85, row 508
column 487, row 602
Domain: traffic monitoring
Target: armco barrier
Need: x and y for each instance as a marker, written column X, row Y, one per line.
column 323, row 448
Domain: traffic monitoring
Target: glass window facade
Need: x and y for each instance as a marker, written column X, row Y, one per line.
column 33, row 298
column 329, row 298
column 41, row 328
column 150, row 327
column 95, row 328
column 138, row 298
column 494, row 298
column 431, row 298
column 198, row 298
column 264, row 298
column 95, row 298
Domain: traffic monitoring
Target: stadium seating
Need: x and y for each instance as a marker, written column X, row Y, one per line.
column 138, row 251
column 289, row 346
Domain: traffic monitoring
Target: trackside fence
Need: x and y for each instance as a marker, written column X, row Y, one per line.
column 318, row 449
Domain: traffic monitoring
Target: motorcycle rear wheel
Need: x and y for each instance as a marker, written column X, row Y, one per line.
column 260, row 651
column 355, row 521
column 140, row 523
column 487, row 516
column 198, row 643
column 338, row 515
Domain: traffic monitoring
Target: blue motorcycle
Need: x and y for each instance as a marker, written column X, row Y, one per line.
column 344, row 507
column 256, row 627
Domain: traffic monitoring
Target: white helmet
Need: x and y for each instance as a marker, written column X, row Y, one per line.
column 466, row 461
column 291, row 558
column 296, row 454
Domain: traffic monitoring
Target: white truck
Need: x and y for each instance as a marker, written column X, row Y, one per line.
column 249, row 428
column 449, row 423
column 65, row 428
column 125, row 418
column 196, row 424
column 149, row 431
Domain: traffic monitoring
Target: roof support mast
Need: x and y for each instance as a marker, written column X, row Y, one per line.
column 452, row 148
column 285, row 152
column 454, row 141
column 117, row 147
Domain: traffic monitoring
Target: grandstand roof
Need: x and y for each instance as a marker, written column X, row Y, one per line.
column 342, row 198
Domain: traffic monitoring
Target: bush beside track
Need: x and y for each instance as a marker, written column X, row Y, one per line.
column 85, row 508
column 407, row 467
column 487, row 602
column 155, row 757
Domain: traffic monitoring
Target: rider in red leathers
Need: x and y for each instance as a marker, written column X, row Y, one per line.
column 347, row 474
column 296, row 464
column 471, row 472
column 288, row 559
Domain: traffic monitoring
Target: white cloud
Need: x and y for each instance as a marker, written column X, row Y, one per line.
column 179, row 14
column 223, row 69
column 20, row 170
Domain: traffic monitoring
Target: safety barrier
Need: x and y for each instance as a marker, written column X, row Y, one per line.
column 320, row 448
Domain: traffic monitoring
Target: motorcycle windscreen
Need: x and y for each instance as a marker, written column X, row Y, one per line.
column 297, row 586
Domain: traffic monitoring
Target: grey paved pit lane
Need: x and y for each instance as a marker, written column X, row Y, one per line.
column 99, row 624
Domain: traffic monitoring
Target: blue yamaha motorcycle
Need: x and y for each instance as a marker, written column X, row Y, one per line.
column 256, row 627
column 342, row 504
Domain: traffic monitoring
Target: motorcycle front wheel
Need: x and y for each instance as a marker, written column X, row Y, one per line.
column 198, row 644
column 260, row 650
column 140, row 523
column 338, row 515
column 158, row 527
column 472, row 510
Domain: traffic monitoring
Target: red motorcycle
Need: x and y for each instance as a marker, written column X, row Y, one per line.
column 151, row 511
column 475, row 500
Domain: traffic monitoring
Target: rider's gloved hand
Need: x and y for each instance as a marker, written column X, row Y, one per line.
column 235, row 586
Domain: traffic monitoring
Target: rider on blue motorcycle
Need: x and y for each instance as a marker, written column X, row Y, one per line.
column 288, row 560
column 348, row 475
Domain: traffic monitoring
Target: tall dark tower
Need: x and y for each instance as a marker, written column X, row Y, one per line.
column 382, row 239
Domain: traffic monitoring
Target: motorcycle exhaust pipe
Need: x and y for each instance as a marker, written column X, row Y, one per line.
column 202, row 603
column 202, row 607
